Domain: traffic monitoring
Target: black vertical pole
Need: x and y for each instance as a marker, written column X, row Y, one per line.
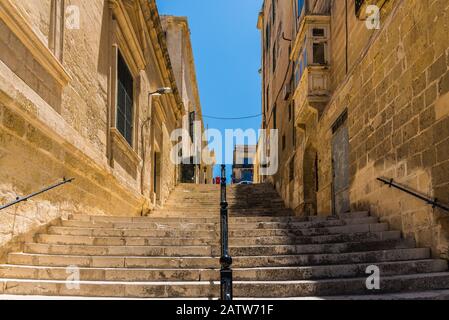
column 225, row 260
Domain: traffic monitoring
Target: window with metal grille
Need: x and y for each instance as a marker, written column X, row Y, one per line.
column 125, row 105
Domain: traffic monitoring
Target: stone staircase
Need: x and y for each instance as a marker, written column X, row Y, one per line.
column 173, row 253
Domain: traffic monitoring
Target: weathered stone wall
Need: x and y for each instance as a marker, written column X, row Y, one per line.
column 49, row 131
column 275, row 78
column 397, row 98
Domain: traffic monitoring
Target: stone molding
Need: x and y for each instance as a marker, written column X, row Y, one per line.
column 22, row 29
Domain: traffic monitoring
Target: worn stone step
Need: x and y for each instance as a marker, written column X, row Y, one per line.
column 142, row 225
column 105, row 232
column 331, row 287
column 210, row 262
column 215, row 225
column 207, row 250
column 122, row 241
column 254, row 289
column 332, row 238
column 239, row 274
column 166, row 251
column 263, row 250
column 212, row 213
column 147, row 241
column 186, row 219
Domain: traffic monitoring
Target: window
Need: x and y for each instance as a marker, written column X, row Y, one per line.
column 125, row 104
column 273, row 11
column 294, row 136
column 265, row 107
column 290, row 112
column 300, row 7
column 274, row 55
column 301, row 64
column 267, row 37
column 283, row 142
column 319, row 45
column 318, row 32
column 191, row 124
column 291, row 169
column 318, row 53
column 274, row 117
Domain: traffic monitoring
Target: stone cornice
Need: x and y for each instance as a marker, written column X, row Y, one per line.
column 184, row 24
column 12, row 17
column 128, row 34
column 157, row 35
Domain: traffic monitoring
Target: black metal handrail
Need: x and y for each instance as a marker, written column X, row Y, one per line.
column 433, row 202
column 22, row 199
column 225, row 259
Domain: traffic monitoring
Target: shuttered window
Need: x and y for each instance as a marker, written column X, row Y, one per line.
column 125, row 105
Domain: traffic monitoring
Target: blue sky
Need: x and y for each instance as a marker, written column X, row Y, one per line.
column 226, row 47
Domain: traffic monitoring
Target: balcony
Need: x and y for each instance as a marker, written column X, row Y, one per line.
column 311, row 57
column 312, row 93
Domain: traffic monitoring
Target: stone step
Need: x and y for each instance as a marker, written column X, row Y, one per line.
column 41, row 248
column 211, row 213
column 185, row 219
column 332, row 287
column 147, row 241
column 215, row 226
column 239, row 274
column 210, row 289
column 210, row 262
column 141, row 225
column 106, row 232
column 158, row 251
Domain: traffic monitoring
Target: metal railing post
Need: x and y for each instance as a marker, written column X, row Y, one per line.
column 225, row 259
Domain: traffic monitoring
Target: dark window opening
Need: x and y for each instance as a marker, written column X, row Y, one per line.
column 274, row 117
column 318, row 32
column 317, row 186
column 294, row 136
column 274, row 55
column 290, row 112
column 283, row 142
column 318, row 53
column 191, row 124
column 125, row 106
column 291, row 169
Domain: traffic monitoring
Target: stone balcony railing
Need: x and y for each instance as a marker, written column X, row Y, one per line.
column 312, row 93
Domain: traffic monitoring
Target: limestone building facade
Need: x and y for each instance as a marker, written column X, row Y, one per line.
column 193, row 169
column 370, row 99
column 75, row 84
